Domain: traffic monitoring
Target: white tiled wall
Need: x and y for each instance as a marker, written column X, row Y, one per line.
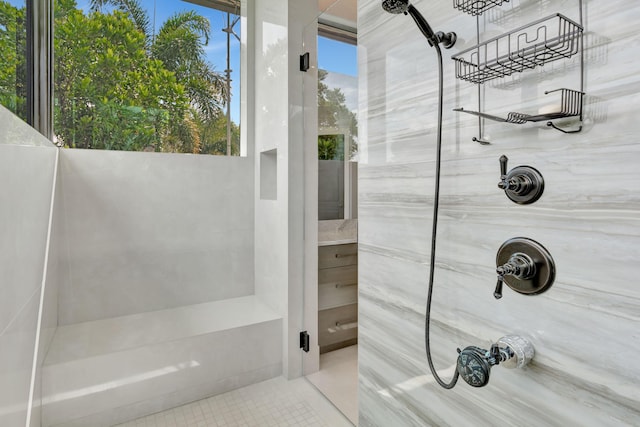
column 585, row 327
column 27, row 162
column 278, row 126
column 148, row 231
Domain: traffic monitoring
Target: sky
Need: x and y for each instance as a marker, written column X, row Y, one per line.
column 341, row 60
column 337, row 56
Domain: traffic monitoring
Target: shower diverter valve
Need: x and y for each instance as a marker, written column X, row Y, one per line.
column 525, row 266
column 474, row 363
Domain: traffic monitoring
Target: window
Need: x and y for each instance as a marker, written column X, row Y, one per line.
column 147, row 75
column 13, row 56
column 337, row 129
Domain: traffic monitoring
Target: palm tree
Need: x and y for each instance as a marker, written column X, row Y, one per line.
column 132, row 8
column 180, row 47
column 180, row 44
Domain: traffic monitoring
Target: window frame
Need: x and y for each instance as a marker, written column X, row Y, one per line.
column 40, row 64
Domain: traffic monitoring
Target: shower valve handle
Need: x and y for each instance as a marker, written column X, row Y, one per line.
column 504, row 181
column 517, row 183
column 522, row 184
column 503, row 168
column 497, row 293
column 520, row 266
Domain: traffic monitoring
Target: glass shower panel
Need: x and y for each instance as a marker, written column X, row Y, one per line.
column 330, row 141
column 310, row 355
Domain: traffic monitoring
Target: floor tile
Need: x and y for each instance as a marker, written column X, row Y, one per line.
column 276, row 402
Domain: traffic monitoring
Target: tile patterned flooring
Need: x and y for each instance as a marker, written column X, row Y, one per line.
column 272, row 403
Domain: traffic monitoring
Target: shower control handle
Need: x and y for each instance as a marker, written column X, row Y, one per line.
column 522, row 184
column 525, row 266
column 474, row 363
column 520, row 266
column 503, row 167
column 518, row 184
column 497, row 293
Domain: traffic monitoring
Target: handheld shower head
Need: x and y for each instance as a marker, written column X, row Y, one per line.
column 403, row 6
column 395, row 6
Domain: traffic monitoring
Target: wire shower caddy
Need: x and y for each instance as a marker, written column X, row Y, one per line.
column 476, row 7
column 535, row 44
column 539, row 42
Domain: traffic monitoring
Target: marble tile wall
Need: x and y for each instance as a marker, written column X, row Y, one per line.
column 585, row 328
column 149, row 231
column 27, row 162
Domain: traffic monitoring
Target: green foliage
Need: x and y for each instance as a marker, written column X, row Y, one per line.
column 120, row 87
column 117, row 86
column 331, row 147
column 102, row 72
column 333, row 113
column 180, row 46
column 132, row 8
column 128, row 128
column 332, row 110
column 13, row 91
column 214, row 136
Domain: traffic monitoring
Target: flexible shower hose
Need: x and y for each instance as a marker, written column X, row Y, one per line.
column 434, row 229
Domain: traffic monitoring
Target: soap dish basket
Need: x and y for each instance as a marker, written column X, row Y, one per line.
column 570, row 105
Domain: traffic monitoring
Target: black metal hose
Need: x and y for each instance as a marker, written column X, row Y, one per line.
column 434, row 230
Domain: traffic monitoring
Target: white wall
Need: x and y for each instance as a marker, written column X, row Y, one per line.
column 55, row 274
column 585, row 328
column 148, row 231
column 278, row 129
column 27, row 162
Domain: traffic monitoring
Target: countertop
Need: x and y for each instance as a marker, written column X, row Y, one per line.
column 337, row 232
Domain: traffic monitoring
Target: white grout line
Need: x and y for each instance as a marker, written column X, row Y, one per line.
column 42, row 291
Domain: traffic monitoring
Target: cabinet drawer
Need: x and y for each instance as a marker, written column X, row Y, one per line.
column 338, row 275
column 337, row 286
column 338, row 324
column 337, row 255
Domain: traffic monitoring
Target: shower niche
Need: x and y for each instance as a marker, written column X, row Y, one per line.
column 546, row 40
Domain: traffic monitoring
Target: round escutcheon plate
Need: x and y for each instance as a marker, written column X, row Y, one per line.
column 545, row 266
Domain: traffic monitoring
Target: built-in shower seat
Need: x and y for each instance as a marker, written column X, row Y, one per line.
column 103, row 372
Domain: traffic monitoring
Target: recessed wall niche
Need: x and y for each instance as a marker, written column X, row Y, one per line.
column 268, row 174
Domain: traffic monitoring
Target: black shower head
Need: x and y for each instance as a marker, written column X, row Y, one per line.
column 395, row 6
column 403, row 6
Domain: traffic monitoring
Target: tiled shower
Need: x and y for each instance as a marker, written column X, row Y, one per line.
column 584, row 328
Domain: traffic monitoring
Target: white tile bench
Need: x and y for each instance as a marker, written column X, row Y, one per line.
column 108, row 371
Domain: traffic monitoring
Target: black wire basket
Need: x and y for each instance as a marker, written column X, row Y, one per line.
column 535, row 44
column 476, row 7
column 570, row 104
